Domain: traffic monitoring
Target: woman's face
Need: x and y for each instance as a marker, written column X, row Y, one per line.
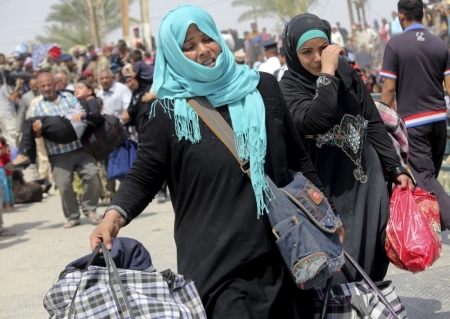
column 82, row 92
column 200, row 48
column 310, row 54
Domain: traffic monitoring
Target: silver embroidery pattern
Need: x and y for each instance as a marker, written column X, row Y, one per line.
column 321, row 81
column 349, row 136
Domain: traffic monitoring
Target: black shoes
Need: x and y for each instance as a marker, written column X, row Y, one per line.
column 17, row 167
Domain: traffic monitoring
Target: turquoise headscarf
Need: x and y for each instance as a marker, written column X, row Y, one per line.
column 177, row 78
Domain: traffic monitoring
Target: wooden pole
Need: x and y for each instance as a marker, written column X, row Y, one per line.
column 359, row 14
column 350, row 13
column 100, row 15
column 92, row 28
column 145, row 20
column 125, row 21
column 363, row 13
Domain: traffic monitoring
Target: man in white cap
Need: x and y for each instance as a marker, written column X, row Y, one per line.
column 239, row 57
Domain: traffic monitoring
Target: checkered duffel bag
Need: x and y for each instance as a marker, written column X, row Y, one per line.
column 358, row 300
column 109, row 292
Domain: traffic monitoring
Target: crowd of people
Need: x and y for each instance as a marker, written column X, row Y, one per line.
column 46, row 108
column 299, row 102
column 365, row 43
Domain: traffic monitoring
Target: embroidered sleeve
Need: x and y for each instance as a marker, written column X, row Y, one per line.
column 324, row 80
column 312, row 115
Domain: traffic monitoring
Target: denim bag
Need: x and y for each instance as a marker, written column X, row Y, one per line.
column 301, row 217
column 305, row 227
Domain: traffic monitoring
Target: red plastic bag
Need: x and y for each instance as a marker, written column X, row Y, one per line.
column 413, row 233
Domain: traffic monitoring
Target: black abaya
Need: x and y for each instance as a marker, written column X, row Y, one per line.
column 359, row 195
column 221, row 244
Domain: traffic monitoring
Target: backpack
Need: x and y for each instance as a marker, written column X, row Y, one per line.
column 104, row 138
column 25, row 192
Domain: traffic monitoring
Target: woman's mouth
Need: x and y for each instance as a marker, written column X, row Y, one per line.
column 210, row 63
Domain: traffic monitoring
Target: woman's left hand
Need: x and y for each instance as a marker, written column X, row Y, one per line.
column 404, row 181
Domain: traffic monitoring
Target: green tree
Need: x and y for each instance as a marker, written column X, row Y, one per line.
column 70, row 25
column 284, row 10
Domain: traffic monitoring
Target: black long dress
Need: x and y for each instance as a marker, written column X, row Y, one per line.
column 221, row 245
column 349, row 160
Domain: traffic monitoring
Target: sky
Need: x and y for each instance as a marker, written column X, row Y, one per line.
column 22, row 20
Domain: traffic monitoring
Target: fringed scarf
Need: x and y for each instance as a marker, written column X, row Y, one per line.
column 177, row 78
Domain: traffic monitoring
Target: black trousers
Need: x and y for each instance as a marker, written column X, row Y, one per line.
column 56, row 129
column 426, row 153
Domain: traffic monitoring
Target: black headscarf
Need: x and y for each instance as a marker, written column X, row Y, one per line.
column 291, row 34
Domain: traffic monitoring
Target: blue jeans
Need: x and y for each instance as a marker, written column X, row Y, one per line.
column 5, row 189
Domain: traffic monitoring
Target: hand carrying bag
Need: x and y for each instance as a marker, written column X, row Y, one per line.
column 413, row 233
column 301, row 217
column 364, row 299
column 109, row 292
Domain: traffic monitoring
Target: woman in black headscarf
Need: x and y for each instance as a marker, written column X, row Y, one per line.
column 335, row 114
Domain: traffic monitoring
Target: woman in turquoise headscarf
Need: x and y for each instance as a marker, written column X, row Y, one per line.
column 224, row 240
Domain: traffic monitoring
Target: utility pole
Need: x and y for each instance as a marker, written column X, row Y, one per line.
column 361, row 4
column 100, row 15
column 92, row 28
column 125, row 21
column 358, row 13
column 145, row 20
column 254, row 16
column 350, row 13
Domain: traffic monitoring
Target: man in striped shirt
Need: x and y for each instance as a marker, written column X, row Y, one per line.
column 416, row 64
column 66, row 159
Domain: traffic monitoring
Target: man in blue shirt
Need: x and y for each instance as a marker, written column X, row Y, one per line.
column 415, row 65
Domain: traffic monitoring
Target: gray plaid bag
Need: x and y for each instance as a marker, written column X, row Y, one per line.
column 358, row 300
column 99, row 292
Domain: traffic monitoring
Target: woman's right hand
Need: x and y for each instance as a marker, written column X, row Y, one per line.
column 330, row 58
column 107, row 229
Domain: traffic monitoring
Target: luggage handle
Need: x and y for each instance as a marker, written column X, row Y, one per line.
column 366, row 279
column 114, row 280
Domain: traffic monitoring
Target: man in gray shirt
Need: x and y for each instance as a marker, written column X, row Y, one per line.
column 25, row 103
column 8, row 94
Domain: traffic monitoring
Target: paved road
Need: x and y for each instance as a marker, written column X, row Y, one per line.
column 32, row 260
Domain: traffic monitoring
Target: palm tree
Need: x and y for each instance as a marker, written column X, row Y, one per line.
column 70, row 23
column 284, row 10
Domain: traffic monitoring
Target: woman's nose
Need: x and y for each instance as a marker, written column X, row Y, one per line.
column 317, row 57
column 202, row 49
